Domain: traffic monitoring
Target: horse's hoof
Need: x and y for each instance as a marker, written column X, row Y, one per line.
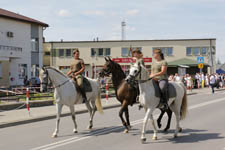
column 143, row 140
column 54, row 136
column 154, row 137
column 174, row 136
column 75, row 131
column 89, row 127
column 165, row 130
column 125, row 131
column 129, row 127
column 180, row 129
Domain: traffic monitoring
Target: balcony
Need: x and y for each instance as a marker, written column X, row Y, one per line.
column 10, row 51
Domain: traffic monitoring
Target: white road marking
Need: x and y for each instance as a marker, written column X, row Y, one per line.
column 76, row 139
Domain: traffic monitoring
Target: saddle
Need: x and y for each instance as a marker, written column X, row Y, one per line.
column 86, row 85
column 171, row 90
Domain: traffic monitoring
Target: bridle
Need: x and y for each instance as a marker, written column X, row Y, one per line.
column 133, row 77
column 57, row 86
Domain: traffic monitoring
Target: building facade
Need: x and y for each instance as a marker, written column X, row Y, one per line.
column 178, row 53
column 21, row 40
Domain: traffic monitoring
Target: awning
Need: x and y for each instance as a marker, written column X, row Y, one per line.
column 184, row 62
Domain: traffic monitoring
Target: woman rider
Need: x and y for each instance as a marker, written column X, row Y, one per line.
column 159, row 73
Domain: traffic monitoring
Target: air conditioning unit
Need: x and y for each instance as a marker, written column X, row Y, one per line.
column 9, row 34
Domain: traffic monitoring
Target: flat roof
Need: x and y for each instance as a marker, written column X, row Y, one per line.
column 11, row 15
column 130, row 40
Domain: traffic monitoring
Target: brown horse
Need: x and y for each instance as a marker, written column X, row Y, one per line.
column 125, row 93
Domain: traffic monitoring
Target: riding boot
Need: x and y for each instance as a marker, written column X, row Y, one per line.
column 83, row 94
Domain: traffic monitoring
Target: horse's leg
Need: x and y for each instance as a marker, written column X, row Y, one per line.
column 73, row 118
column 59, row 110
column 154, row 137
column 90, row 113
column 122, row 109
column 160, row 118
column 169, row 113
column 127, row 117
column 177, row 114
column 143, row 138
column 93, row 113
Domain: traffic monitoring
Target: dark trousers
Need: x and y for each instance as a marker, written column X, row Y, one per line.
column 163, row 85
column 212, row 87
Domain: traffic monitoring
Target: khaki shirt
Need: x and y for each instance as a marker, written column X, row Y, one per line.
column 76, row 65
column 156, row 68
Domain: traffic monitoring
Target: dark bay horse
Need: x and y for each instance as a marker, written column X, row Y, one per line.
column 126, row 94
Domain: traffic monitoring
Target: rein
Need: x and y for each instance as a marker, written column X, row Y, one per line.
column 57, row 86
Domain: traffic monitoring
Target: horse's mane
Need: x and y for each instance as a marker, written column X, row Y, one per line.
column 118, row 68
column 56, row 70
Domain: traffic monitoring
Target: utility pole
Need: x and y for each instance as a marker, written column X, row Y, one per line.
column 211, row 57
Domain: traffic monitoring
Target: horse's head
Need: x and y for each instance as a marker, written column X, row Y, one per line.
column 107, row 68
column 137, row 71
column 44, row 79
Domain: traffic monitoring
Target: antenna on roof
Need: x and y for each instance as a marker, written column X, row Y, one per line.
column 123, row 31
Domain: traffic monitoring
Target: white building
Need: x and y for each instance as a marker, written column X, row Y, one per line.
column 21, row 41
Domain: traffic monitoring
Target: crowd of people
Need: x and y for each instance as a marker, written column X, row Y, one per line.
column 200, row 80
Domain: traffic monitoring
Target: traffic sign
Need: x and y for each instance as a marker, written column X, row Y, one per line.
column 200, row 60
column 200, row 66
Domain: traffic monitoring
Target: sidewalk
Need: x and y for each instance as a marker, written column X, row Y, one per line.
column 21, row 116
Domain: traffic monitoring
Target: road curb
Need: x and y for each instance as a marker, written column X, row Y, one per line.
column 42, row 118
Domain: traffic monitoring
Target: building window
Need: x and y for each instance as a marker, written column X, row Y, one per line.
column 196, row 51
column 100, row 52
column 68, row 53
column 61, row 52
column 0, row 70
column 22, row 70
column 47, row 53
column 188, row 51
column 167, row 51
column 107, row 52
column 204, row 50
column 93, row 51
column 170, row 51
column 125, row 52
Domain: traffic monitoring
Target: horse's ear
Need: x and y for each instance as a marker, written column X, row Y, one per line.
column 43, row 68
column 139, row 64
column 109, row 58
column 106, row 59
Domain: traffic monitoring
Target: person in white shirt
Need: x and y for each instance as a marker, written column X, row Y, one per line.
column 189, row 82
column 212, row 82
column 177, row 78
column 207, row 80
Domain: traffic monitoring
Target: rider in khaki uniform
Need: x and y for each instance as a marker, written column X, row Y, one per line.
column 159, row 73
column 137, row 55
column 76, row 70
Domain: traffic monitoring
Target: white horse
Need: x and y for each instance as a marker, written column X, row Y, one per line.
column 149, row 101
column 65, row 94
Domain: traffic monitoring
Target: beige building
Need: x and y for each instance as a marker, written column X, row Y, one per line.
column 180, row 53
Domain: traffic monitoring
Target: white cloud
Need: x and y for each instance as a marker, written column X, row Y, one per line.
column 132, row 12
column 95, row 12
column 63, row 13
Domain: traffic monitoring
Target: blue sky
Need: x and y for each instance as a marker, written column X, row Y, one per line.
column 146, row 19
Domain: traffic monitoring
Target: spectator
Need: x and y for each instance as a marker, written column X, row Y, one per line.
column 177, row 78
column 189, row 82
column 207, row 80
column 212, row 82
column 25, row 81
column 171, row 78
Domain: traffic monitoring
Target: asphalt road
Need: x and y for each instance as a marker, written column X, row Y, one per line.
column 203, row 129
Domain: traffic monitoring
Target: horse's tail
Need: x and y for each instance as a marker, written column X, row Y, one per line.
column 184, row 105
column 98, row 102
